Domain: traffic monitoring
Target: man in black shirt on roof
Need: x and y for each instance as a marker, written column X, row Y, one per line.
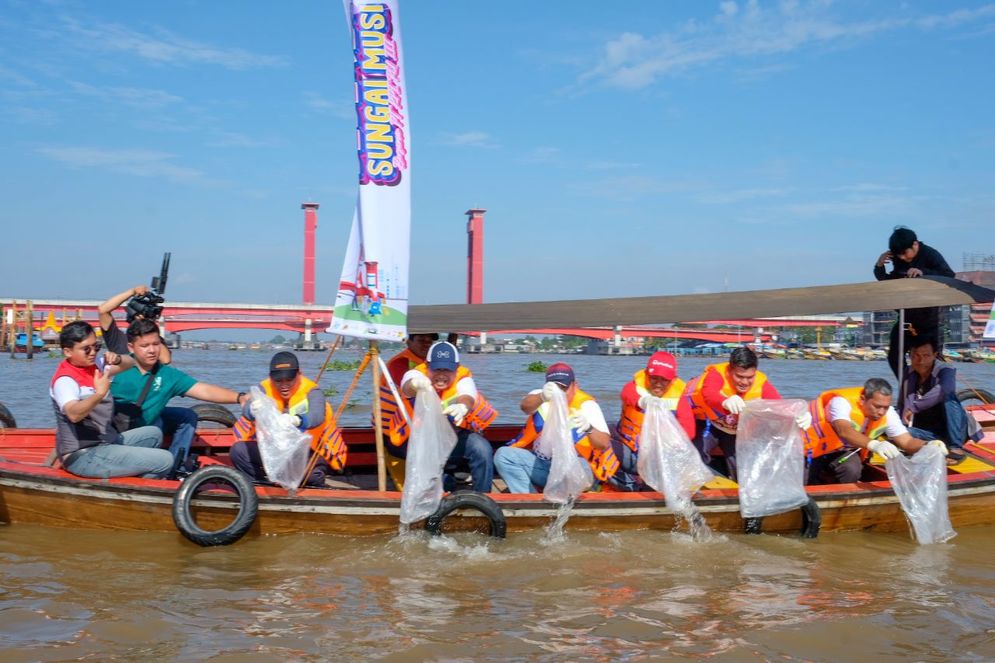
column 911, row 258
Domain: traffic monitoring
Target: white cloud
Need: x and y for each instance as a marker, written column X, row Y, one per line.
column 141, row 98
column 745, row 31
column 478, row 139
column 341, row 109
column 141, row 163
column 164, row 47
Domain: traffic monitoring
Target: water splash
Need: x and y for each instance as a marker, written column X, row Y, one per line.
column 554, row 531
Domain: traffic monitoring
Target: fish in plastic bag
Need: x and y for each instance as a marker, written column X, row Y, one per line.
column 432, row 440
column 283, row 448
column 567, row 478
column 770, row 457
column 920, row 482
column 667, row 460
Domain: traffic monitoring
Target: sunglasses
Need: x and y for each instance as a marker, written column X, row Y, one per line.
column 87, row 349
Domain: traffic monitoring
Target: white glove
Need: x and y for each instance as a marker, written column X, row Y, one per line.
column 804, row 420
column 457, row 411
column 420, row 382
column 884, row 448
column 290, row 420
column 734, row 404
column 645, row 400
column 549, row 389
column 939, row 445
column 579, row 422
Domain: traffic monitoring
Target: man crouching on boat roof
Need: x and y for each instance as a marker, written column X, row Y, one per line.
column 143, row 391
column 86, row 440
column 518, row 463
column 468, row 410
column 302, row 404
column 719, row 395
column 658, row 381
column 846, row 425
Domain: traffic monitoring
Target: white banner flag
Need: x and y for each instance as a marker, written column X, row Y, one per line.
column 372, row 299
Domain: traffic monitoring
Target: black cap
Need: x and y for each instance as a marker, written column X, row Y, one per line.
column 284, row 366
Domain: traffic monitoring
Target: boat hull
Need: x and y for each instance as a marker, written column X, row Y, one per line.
column 32, row 492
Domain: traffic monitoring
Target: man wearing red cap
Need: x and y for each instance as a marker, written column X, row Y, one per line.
column 658, row 381
column 523, row 466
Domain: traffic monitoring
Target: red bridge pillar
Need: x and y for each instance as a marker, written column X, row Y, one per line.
column 475, row 256
column 310, row 225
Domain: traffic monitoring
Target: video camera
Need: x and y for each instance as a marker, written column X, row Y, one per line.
column 149, row 305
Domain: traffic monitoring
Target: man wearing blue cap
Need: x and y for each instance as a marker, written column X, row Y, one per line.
column 467, row 409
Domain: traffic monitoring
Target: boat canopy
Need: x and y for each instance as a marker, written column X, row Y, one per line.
column 669, row 309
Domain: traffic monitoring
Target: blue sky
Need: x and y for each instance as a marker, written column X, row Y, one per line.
column 621, row 149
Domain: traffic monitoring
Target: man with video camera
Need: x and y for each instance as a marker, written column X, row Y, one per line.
column 141, row 393
column 115, row 339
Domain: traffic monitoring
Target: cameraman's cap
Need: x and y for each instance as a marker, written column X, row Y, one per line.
column 284, row 366
column 662, row 365
column 443, row 356
column 560, row 373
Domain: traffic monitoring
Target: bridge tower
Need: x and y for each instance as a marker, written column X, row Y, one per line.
column 310, row 225
column 475, row 256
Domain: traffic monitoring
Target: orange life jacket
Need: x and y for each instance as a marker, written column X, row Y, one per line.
column 703, row 410
column 631, row 421
column 326, row 439
column 389, row 413
column 822, row 438
column 477, row 419
column 604, row 463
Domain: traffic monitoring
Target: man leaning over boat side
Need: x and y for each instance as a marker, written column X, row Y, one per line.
column 395, row 427
column 143, row 391
column 929, row 403
column 524, row 468
column 657, row 382
column 468, row 411
column 719, row 395
column 910, row 258
column 302, row 405
column 847, row 424
column 86, row 440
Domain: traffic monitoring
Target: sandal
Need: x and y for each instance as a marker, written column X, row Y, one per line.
column 955, row 455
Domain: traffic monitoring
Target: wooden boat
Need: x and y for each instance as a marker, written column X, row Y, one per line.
column 31, row 491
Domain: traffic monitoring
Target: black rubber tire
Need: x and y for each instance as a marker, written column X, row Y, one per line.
column 248, row 506
column 811, row 519
column 753, row 525
column 985, row 397
column 214, row 413
column 6, row 418
column 467, row 499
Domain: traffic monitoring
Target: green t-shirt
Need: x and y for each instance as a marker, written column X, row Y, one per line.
column 166, row 383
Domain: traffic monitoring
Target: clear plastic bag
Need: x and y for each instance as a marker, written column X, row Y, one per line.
column 432, row 440
column 920, row 482
column 283, row 448
column 567, row 478
column 667, row 461
column 770, row 457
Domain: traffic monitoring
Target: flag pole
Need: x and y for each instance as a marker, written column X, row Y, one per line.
column 377, row 423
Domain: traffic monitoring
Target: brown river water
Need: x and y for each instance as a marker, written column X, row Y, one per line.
column 635, row 596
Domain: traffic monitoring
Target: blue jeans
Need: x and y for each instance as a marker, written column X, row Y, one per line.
column 181, row 422
column 476, row 450
column 522, row 470
column 134, row 453
column 954, row 432
column 627, row 476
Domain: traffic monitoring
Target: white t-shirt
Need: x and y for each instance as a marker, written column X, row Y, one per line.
column 840, row 408
column 465, row 387
column 590, row 409
column 65, row 389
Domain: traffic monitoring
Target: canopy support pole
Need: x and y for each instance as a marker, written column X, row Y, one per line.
column 374, row 356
